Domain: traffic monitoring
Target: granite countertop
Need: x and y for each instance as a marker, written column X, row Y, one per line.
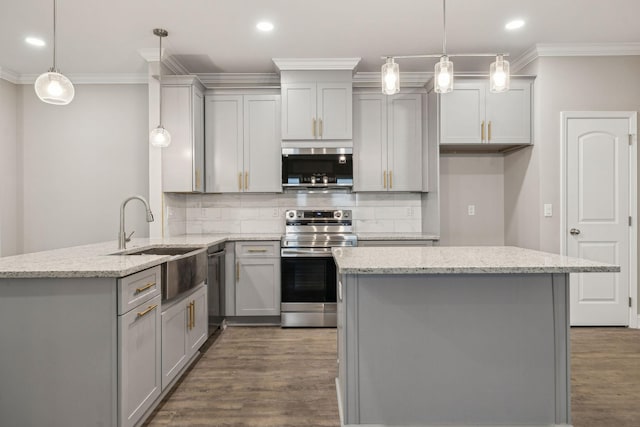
column 459, row 260
column 397, row 236
column 103, row 259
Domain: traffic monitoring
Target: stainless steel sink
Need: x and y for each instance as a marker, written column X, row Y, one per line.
column 186, row 269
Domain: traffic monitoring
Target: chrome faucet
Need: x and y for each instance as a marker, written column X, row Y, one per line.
column 122, row 236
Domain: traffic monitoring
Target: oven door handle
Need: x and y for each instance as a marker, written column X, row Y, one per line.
column 306, row 252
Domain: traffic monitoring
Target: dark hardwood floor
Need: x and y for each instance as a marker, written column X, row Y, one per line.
column 272, row 377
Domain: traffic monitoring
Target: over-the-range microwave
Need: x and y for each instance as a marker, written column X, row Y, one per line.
column 329, row 168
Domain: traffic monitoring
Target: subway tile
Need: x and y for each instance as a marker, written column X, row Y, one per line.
column 374, row 199
column 363, row 213
column 194, row 227
column 407, row 226
column 225, row 226
column 407, row 199
column 373, row 225
column 262, row 226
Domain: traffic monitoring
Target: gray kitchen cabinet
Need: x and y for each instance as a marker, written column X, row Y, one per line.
column 183, row 116
column 242, row 142
column 257, row 286
column 473, row 117
column 387, row 142
column 317, row 110
column 139, row 361
column 184, row 330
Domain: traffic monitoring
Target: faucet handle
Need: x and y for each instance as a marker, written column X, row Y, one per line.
column 128, row 239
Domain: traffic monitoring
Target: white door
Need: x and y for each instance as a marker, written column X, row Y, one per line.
column 598, row 216
column 404, row 142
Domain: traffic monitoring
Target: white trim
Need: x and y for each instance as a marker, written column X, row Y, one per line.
column 632, row 116
column 150, row 54
column 9, row 75
column 173, row 64
column 574, row 49
column 240, row 79
column 297, row 64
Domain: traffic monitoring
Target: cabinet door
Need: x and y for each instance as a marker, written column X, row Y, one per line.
column 299, row 111
column 262, row 144
column 198, row 140
column 178, row 168
column 404, row 142
column 174, row 341
column 258, row 287
column 139, row 364
column 197, row 331
column 462, row 114
column 509, row 115
column 369, row 142
column 334, row 110
column 224, row 143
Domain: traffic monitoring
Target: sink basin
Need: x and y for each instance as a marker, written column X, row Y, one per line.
column 172, row 251
column 186, row 269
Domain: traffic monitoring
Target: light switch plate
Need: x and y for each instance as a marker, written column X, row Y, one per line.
column 471, row 209
column 548, row 209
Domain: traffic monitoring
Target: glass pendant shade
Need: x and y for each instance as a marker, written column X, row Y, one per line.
column 499, row 76
column 54, row 88
column 443, row 75
column 390, row 77
column 160, row 137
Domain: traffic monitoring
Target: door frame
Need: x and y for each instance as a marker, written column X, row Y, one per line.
column 632, row 116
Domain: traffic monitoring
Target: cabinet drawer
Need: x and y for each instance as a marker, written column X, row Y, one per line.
column 257, row 249
column 138, row 288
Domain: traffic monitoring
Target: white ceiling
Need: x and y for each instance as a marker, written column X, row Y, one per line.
column 212, row 36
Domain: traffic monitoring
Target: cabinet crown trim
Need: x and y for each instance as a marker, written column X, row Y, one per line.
column 321, row 64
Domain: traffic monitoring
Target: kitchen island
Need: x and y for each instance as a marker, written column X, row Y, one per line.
column 454, row 336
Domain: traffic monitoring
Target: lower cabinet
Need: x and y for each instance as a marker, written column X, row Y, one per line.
column 139, row 360
column 184, row 330
column 257, row 279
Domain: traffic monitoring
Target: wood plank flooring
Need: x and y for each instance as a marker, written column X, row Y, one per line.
column 272, row 377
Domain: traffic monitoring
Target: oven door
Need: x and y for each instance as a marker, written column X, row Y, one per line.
column 308, row 275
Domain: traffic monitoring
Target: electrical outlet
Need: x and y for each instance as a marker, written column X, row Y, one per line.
column 471, row 209
column 548, row 209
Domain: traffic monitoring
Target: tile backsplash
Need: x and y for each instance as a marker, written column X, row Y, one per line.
column 264, row 213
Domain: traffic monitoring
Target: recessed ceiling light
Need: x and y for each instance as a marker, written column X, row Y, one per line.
column 515, row 24
column 265, row 26
column 34, row 41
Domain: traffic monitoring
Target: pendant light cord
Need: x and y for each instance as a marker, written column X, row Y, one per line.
column 444, row 27
column 160, row 81
column 54, row 37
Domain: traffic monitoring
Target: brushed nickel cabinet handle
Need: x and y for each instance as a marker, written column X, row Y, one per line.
column 147, row 311
column 240, row 181
column 482, row 132
column 489, row 131
column 144, row 288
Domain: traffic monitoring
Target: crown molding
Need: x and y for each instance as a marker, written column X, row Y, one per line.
column 211, row 80
column 9, row 75
column 575, row 49
column 151, row 54
column 173, row 64
column 408, row 79
column 308, row 64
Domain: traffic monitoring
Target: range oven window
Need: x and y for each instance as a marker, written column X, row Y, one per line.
column 311, row 279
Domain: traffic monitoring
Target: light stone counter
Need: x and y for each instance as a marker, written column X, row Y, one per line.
column 459, row 260
column 101, row 259
column 397, row 236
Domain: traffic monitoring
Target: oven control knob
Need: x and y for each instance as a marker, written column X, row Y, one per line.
column 337, row 214
column 291, row 214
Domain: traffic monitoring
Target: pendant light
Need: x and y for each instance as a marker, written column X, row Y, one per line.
column 160, row 137
column 53, row 87
column 443, row 70
column 390, row 77
column 499, row 75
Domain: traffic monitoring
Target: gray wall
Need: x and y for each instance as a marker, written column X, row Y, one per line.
column 10, row 174
column 80, row 161
column 473, row 179
column 532, row 177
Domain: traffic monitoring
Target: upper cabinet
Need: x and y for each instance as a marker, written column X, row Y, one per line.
column 183, row 117
column 316, row 98
column 243, row 152
column 387, row 142
column 316, row 111
column 472, row 118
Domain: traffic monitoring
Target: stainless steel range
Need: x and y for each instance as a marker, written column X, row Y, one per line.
column 308, row 269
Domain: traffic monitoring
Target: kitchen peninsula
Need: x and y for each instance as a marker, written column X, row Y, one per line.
column 454, row 335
